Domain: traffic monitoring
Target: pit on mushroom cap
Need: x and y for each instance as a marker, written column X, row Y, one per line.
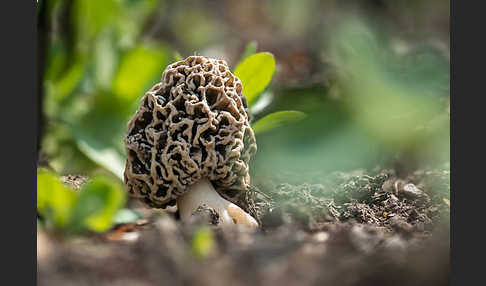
column 190, row 139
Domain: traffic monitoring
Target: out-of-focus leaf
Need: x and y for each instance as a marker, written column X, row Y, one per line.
column 262, row 102
column 49, row 7
column 90, row 16
column 68, row 82
column 202, row 242
column 250, row 49
column 99, row 201
column 389, row 95
column 77, row 83
column 54, row 200
column 424, row 69
column 196, row 36
column 93, row 208
column 100, row 138
column 255, row 73
column 277, row 119
column 126, row 216
column 102, row 154
column 99, row 133
column 130, row 22
column 62, row 150
column 105, row 59
column 56, row 60
column 391, row 114
column 139, row 69
column 137, row 4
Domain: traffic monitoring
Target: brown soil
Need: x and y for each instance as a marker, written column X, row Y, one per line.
column 356, row 228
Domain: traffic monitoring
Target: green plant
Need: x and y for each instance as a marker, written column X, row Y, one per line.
column 202, row 242
column 96, row 207
column 255, row 70
column 394, row 97
column 93, row 86
column 98, row 69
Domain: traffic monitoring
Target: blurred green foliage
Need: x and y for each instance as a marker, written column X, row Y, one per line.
column 375, row 96
column 255, row 71
column 95, row 76
column 97, row 204
column 393, row 97
column 202, row 242
column 55, row 201
column 93, row 208
column 94, row 86
column 381, row 102
column 125, row 216
column 276, row 119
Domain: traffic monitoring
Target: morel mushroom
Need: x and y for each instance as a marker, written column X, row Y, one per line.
column 190, row 141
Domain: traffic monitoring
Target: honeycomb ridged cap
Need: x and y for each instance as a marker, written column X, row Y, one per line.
column 194, row 124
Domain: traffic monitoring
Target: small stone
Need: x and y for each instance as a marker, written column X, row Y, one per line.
column 411, row 191
column 321, row 236
column 130, row 236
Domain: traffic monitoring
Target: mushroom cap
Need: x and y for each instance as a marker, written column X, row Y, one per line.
column 193, row 124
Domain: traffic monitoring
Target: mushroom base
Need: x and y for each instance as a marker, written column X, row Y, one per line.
column 203, row 192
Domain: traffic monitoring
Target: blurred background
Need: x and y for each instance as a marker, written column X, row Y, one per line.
column 359, row 91
column 372, row 77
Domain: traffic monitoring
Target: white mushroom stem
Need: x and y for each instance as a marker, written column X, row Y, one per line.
column 203, row 192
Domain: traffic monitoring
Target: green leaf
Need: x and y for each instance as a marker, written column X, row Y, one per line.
column 99, row 135
column 255, row 73
column 61, row 85
column 102, row 154
column 56, row 60
column 139, row 69
column 94, row 208
column 197, row 36
column 91, row 16
column 54, row 200
column 65, row 156
column 389, row 95
column 250, row 49
column 99, row 201
column 69, row 80
column 263, row 101
column 105, row 57
column 277, row 119
column 126, row 216
column 202, row 242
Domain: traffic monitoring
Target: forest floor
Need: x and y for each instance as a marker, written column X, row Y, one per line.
column 355, row 228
